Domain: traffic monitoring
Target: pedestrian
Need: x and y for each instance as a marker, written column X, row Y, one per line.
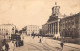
column 4, row 41
column 3, row 47
column 19, row 43
column 14, row 43
column 42, row 36
column 6, row 46
column 38, row 36
column 61, row 45
column 40, row 40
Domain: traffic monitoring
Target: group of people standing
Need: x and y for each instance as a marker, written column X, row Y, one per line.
column 5, row 46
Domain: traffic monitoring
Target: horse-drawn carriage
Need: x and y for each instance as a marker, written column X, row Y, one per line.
column 17, row 39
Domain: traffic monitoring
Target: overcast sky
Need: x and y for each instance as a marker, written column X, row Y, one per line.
column 33, row 12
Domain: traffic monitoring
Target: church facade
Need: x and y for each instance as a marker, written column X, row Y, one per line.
column 53, row 22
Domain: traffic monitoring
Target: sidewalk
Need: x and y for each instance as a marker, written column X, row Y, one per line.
column 56, row 43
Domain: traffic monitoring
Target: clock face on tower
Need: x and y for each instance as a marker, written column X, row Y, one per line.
column 5, row 5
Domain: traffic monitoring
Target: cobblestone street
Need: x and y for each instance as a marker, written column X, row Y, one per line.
column 47, row 44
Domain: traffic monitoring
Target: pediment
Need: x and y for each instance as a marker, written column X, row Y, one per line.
column 52, row 18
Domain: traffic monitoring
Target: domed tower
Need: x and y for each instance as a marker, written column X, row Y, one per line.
column 55, row 10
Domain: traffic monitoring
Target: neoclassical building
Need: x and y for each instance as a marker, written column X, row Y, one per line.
column 32, row 28
column 61, row 26
column 70, row 26
column 44, row 29
column 53, row 23
column 7, row 29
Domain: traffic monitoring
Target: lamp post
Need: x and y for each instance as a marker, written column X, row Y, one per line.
column 60, row 29
column 61, row 32
column 13, row 40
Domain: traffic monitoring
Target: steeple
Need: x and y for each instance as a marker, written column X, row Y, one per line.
column 55, row 10
column 55, row 3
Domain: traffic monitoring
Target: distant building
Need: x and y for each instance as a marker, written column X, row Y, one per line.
column 24, row 30
column 7, row 29
column 32, row 28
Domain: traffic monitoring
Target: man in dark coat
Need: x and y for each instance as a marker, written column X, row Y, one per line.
column 6, row 46
column 61, row 45
column 40, row 40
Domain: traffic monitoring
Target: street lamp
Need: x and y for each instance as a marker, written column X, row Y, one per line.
column 60, row 28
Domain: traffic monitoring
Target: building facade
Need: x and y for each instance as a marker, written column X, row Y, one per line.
column 70, row 26
column 53, row 23
column 32, row 28
column 7, row 29
column 45, row 29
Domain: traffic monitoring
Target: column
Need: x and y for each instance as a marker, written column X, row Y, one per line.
column 58, row 26
column 58, row 29
column 49, row 28
column 53, row 28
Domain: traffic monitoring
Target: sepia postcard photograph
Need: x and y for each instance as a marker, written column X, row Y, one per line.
column 39, row 25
